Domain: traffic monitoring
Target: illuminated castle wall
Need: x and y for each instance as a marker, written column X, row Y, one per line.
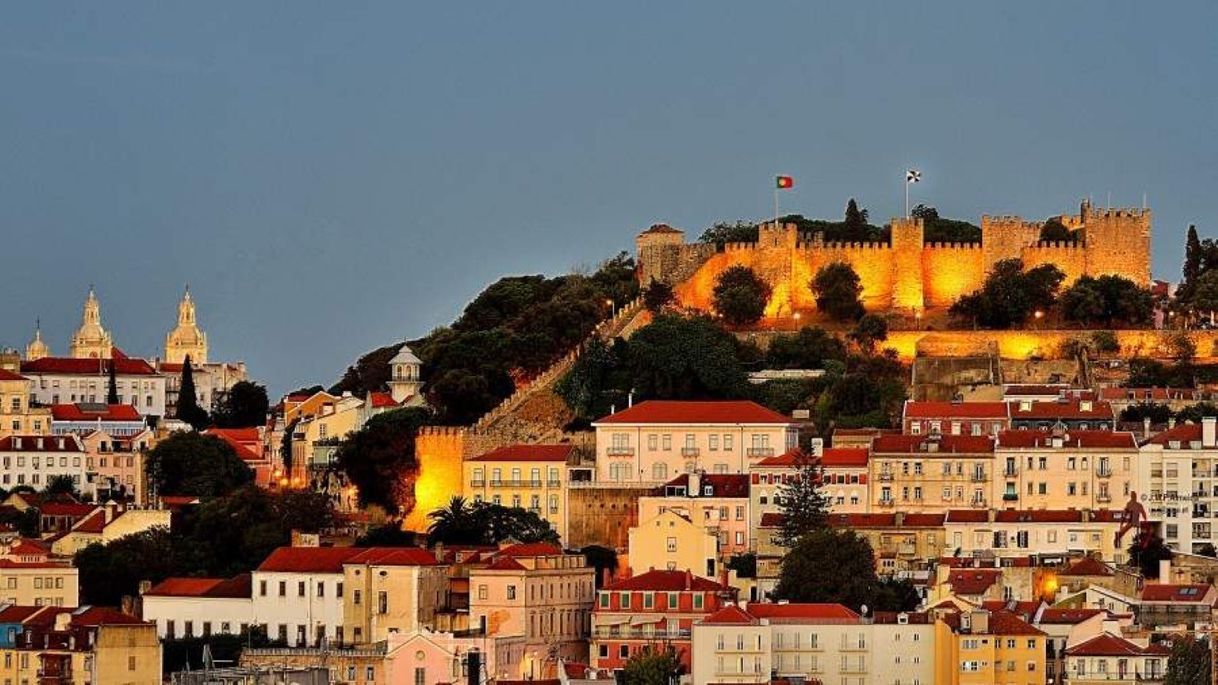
column 905, row 273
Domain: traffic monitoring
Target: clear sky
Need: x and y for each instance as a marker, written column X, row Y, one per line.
column 330, row 177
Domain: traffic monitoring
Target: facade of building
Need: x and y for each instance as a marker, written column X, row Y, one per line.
column 1064, row 469
column 926, row 417
column 71, row 380
column 106, row 524
column 30, row 575
column 1178, row 470
column 1072, row 413
column 390, row 590
column 657, row 606
column 1110, row 659
column 1011, row 533
column 671, row 541
column 985, row 647
column 931, row 473
column 532, row 477
column 35, row 460
column 16, row 415
column 117, row 465
column 718, row 502
column 81, row 645
column 654, row 441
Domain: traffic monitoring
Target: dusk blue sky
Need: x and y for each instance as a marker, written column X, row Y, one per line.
column 330, row 177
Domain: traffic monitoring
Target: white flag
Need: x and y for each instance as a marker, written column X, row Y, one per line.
column 913, row 176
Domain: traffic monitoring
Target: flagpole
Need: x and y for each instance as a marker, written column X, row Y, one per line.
column 775, row 202
column 907, row 195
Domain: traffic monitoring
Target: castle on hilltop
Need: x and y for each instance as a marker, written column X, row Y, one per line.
column 906, row 273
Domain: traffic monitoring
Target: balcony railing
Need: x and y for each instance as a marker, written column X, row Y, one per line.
column 477, row 483
column 689, row 451
column 1104, row 472
column 1010, row 472
column 887, row 502
column 885, row 475
column 760, row 451
column 1010, row 496
column 553, row 483
column 640, row 634
column 1103, row 498
column 977, row 503
column 620, row 451
column 978, row 477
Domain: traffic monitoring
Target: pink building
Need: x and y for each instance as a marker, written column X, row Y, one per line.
column 955, row 418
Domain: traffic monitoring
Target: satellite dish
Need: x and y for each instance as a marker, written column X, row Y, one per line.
column 863, row 609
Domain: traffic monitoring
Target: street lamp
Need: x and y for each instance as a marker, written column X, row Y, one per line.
column 612, row 306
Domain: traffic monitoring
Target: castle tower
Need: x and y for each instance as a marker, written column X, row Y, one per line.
column 1117, row 242
column 186, row 340
column 659, row 251
column 91, row 341
column 405, row 375
column 907, row 284
column 37, row 349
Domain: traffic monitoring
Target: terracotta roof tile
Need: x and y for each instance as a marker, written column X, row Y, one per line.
column 721, row 484
column 557, row 453
column 1163, row 592
column 927, row 409
column 1087, row 566
column 123, row 366
column 308, row 559
column 1111, row 645
column 95, row 412
column 951, row 444
column 1084, row 439
column 1072, row 408
column 694, row 412
column 666, row 581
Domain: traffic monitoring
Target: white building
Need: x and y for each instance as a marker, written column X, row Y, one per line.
column 1178, row 484
column 35, row 460
column 654, row 441
column 67, row 380
column 195, row 607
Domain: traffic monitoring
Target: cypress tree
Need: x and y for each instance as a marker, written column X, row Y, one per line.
column 855, row 218
column 188, row 402
column 1192, row 258
column 112, row 393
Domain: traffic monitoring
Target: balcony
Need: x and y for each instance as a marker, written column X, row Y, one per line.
column 553, row 483
column 1010, row 472
column 1104, row 472
column 620, row 451
column 1010, row 496
column 978, row 477
column 760, row 451
column 1103, row 498
column 477, row 483
column 689, row 451
column 616, row 633
column 889, row 502
column 978, row 503
column 886, row 475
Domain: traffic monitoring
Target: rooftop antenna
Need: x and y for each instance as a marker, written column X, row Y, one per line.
column 1109, row 206
column 1143, row 199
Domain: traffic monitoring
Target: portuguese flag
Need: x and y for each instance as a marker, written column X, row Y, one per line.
column 785, row 182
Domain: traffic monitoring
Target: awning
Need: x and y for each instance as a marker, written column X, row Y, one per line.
column 645, row 620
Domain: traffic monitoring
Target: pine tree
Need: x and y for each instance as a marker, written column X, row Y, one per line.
column 805, row 508
column 1192, row 259
column 855, row 218
column 188, row 402
column 112, row 393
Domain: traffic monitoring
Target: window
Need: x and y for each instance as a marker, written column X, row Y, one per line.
column 338, row 589
column 370, row 673
column 382, row 602
column 300, row 589
column 321, row 589
column 672, row 600
column 511, row 592
column 355, row 597
column 283, row 588
column 666, row 442
column 672, row 544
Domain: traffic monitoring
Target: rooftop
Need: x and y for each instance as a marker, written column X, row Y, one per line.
column 670, row 581
column 519, row 452
column 694, row 412
column 929, row 409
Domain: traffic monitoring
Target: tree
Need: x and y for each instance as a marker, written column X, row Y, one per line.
column 380, row 462
column 244, row 405
column 745, row 565
column 26, row 522
column 677, row 357
column 197, row 465
column 895, row 594
column 805, row 509
column 1010, row 295
column 936, row 229
column 1205, row 294
column 456, row 523
column 807, row 349
column 1192, row 263
column 653, row 665
column 724, row 232
column 856, row 219
column 388, row 535
column 108, row 572
column 483, row 523
column 1107, row 301
column 1195, row 412
column 1135, row 413
column 1181, row 347
column 657, row 296
column 837, row 288
column 870, row 329
column 1190, row 661
column 111, row 385
column 1054, row 230
column 1208, row 550
column 61, row 485
column 829, row 565
column 1146, row 553
column 1105, row 342
column 188, row 408
column 740, row 296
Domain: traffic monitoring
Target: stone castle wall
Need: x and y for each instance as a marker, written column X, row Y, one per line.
column 905, row 273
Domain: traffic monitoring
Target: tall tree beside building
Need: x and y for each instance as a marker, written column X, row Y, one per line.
column 838, row 289
column 805, row 509
column 112, row 389
column 244, row 405
column 188, row 408
column 740, row 296
column 1192, row 259
column 1189, row 662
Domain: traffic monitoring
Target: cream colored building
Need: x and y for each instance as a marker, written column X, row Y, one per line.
column 931, row 473
column 107, row 524
column 980, row 647
column 116, row 464
column 16, row 415
column 391, row 590
column 671, row 541
column 1011, row 533
column 91, row 341
column 718, row 502
column 657, row 440
column 1109, row 659
column 1064, row 469
column 31, row 576
column 539, row 592
column 1178, row 484
column 817, row 642
column 532, row 477
column 84, row 645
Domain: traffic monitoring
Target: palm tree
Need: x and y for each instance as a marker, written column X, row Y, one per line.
column 454, row 524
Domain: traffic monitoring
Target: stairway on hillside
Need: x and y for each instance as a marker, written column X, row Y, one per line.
column 535, row 413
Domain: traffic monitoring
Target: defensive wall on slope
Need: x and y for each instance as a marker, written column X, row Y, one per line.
column 905, row 273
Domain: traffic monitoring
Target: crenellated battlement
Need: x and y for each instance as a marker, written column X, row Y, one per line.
column 904, row 272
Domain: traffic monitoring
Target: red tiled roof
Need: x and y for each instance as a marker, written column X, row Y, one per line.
column 1148, row 394
column 309, row 559
column 1066, row 408
column 844, row 457
column 123, row 366
column 1084, row 439
column 973, row 581
column 967, row 516
column 1056, row 616
column 1006, row 623
column 95, row 412
column 381, row 400
column 929, row 409
column 1038, row 516
column 666, row 581
column 183, row 587
column 73, row 509
column 1026, row 608
column 1184, row 433
column 692, row 412
column 93, row 523
column 238, row 439
column 886, row 520
column 721, row 484
column 17, row 613
column 787, row 459
column 394, row 556
column 951, row 444
column 1111, row 645
column 891, row 617
column 531, row 549
column 41, row 443
column 811, row 611
column 730, row 615
column 923, row 520
column 1087, row 566
column 558, row 453
column 1163, row 592
column 505, row 564
column 6, row 375
column 1050, row 390
column 771, row 519
column 99, row 616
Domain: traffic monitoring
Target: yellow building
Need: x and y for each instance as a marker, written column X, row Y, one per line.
column 31, row 576
column 106, row 524
column 670, row 541
column 979, row 647
column 85, row 645
column 931, row 473
column 532, row 477
column 391, row 589
column 1064, row 469
column 91, row 341
column 16, row 415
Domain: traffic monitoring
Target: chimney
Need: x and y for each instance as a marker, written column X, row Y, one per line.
column 1209, row 431
column 630, row 398
column 689, row 579
column 981, row 621
column 818, row 447
column 1165, row 570
column 695, row 484
column 1146, row 427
